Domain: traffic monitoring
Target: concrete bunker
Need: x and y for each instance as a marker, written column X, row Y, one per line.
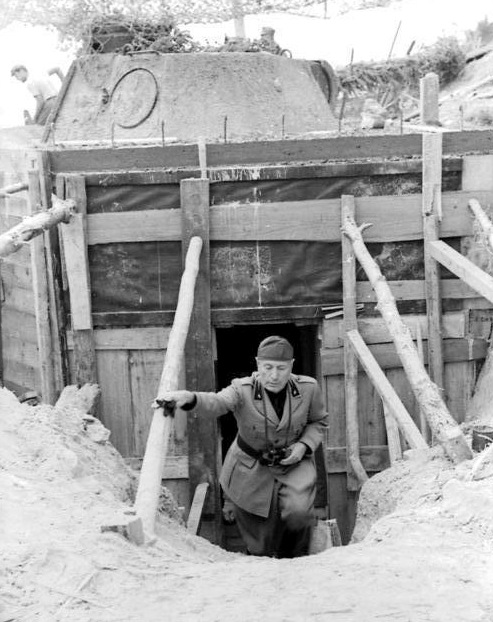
column 271, row 212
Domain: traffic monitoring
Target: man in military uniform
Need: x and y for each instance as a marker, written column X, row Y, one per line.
column 267, row 42
column 269, row 473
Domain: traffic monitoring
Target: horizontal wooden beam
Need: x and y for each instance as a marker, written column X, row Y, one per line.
column 415, row 290
column 412, row 290
column 141, row 226
column 269, row 172
column 454, row 350
column 374, row 458
column 132, row 318
column 317, row 220
column 374, row 329
column 462, row 267
column 220, row 317
column 140, row 338
column 260, row 152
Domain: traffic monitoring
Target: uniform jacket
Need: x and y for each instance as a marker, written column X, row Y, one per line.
column 244, row 480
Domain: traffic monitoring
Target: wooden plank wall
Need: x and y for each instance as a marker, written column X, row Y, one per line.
column 462, row 353
column 73, row 158
column 129, row 362
column 18, row 321
column 464, row 347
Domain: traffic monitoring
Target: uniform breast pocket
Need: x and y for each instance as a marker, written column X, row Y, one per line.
column 247, row 461
column 240, row 471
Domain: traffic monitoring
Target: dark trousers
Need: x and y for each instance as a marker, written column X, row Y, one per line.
column 45, row 111
column 286, row 532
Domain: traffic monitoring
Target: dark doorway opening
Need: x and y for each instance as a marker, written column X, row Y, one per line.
column 236, row 351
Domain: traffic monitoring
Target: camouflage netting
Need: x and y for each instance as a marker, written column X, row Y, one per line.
column 391, row 79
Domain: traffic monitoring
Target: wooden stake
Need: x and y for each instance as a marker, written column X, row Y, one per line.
column 195, row 514
column 393, row 436
column 425, row 430
column 429, row 90
column 394, row 40
column 41, row 300
column 147, row 499
column 432, row 213
column 202, row 157
column 51, row 240
column 356, row 474
column 426, row 392
column 77, row 268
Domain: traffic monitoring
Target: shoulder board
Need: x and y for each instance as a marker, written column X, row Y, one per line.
column 307, row 379
column 245, row 381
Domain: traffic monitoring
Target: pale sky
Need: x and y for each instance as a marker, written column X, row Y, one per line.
column 369, row 33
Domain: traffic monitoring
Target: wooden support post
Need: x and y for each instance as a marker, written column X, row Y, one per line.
column 463, row 268
column 478, row 173
column 41, row 300
column 77, row 269
column 423, row 424
column 385, row 390
column 335, row 534
column 57, row 316
column 147, row 499
column 483, row 220
column 432, row 185
column 202, row 148
column 429, row 91
column 199, row 357
column 195, row 514
column 426, row 392
column 393, row 436
column 356, row 474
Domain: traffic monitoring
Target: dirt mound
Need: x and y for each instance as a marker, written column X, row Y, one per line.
column 60, row 481
column 468, row 101
column 426, row 557
column 428, row 483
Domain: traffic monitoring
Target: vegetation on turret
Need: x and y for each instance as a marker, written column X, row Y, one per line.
column 446, row 58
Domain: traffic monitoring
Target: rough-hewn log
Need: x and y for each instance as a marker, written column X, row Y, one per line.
column 147, row 499
column 483, row 220
column 480, row 408
column 426, row 392
column 463, row 268
column 389, row 397
column 30, row 227
column 12, row 189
